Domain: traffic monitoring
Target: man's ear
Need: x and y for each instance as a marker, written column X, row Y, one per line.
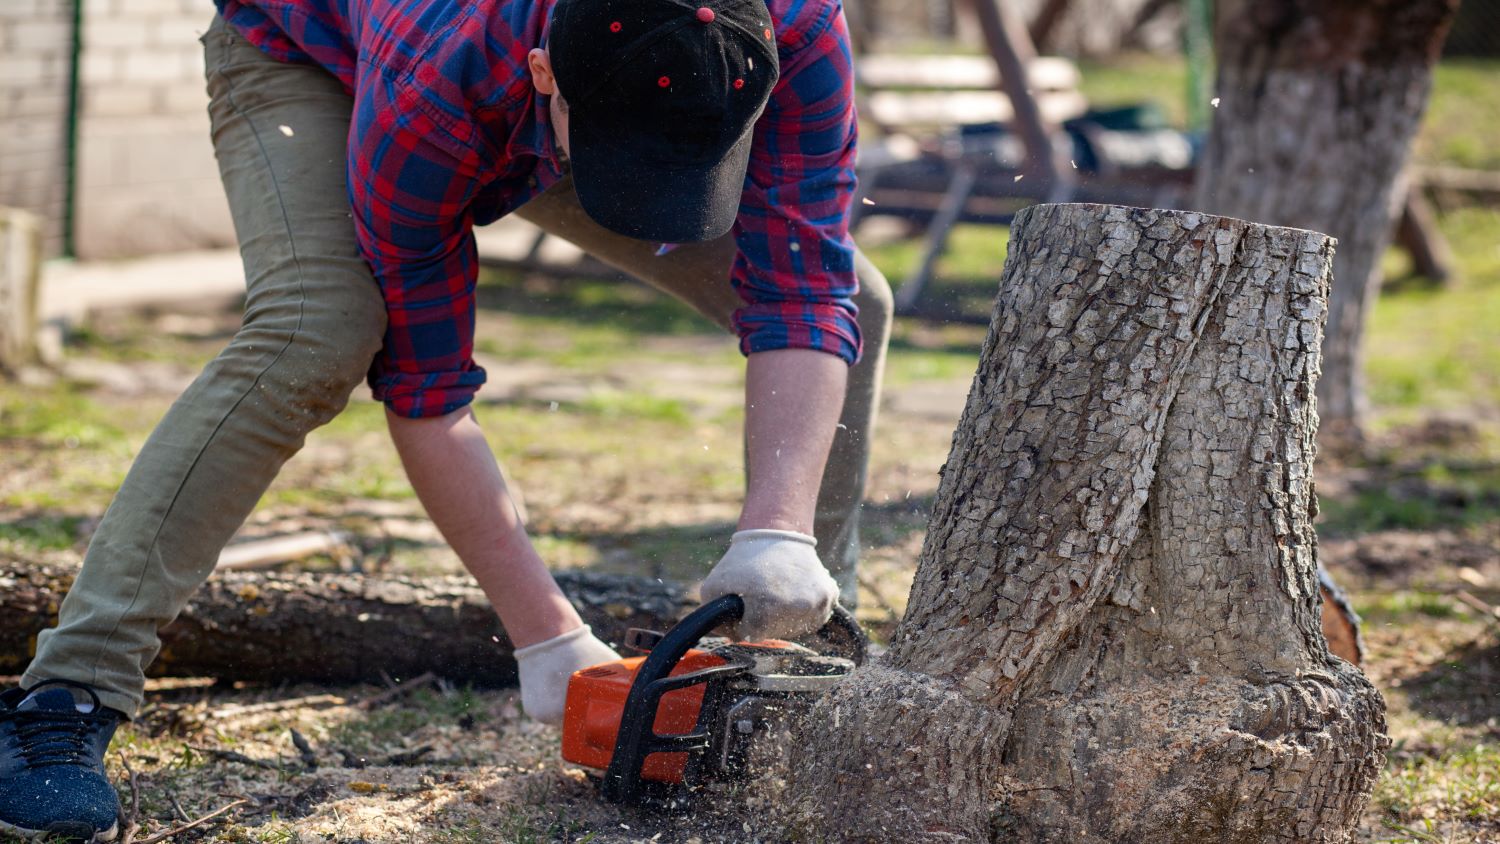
column 541, row 71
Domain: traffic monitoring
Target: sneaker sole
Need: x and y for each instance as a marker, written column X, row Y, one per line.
column 89, row 837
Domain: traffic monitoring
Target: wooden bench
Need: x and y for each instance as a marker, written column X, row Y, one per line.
column 925, row 94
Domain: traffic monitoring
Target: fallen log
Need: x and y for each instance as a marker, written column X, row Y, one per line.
column 338, row 628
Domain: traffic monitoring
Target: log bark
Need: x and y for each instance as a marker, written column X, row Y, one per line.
column 1317, row 105
column 339, row 628
column 1114, row 629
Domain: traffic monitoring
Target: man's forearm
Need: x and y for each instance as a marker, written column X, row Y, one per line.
column 792, row 403
column 455, row 475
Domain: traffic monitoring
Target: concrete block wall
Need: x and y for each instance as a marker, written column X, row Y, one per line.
column 147, row 179
column 35, row 57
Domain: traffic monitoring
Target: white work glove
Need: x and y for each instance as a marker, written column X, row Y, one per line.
column 787, row 591
column 546, row 666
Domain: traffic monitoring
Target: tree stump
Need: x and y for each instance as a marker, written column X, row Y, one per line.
column 1114, row 630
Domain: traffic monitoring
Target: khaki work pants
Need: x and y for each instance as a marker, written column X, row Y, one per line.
column 313, row 321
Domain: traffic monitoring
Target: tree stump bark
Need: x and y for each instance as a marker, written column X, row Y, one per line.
column 1114, row 630
column 1317, row 103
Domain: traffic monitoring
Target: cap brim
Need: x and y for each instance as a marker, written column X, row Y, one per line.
column 624, row 190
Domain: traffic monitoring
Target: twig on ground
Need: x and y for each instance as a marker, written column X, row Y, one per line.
column 132, row 819
column 178, row 830
column 231, row 756
column 397, row 691
column 279, row 550
column 407, row 757
column 1472, row 601
column 177, row 808
column 304, row 749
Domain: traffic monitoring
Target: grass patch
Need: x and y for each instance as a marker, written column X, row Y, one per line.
column 1463, row 116
column 1440, row 348
column 385, row 729
column 1387, row 509
column 971, row 262
column 636, row 407
column 1418, row 789
column 44, row 533
column 65, row 417
column 907, row 365
column 1392, row 607
column 515, row 826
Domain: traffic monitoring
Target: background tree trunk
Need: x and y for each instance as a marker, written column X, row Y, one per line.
column 339, row 628
column 1318, row 103
column 1114, row 630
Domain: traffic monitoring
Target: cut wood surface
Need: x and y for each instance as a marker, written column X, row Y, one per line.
column 339, row 628
column 1340, row 621
column 1114, row 632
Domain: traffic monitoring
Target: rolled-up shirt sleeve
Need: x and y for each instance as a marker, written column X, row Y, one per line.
column 410, row 188
column 795, row 268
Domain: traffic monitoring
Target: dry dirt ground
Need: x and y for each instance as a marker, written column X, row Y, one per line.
column 626, row 446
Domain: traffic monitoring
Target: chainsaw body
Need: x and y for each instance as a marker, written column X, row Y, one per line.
column 659, row 725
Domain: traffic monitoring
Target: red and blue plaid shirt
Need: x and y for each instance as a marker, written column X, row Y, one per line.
column 448, row 133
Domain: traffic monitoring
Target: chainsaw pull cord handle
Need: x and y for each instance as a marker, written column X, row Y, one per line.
column 637, row 737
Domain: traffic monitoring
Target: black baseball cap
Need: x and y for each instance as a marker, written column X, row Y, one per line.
column 662, row 99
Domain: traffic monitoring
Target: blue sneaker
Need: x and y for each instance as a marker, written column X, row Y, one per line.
column 52, row 782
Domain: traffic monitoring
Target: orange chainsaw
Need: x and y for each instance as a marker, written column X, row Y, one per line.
column 658, row 726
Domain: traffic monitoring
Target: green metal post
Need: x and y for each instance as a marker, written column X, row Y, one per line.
column 70, row 166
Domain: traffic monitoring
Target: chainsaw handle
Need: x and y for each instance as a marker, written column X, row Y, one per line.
column 675, row 643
